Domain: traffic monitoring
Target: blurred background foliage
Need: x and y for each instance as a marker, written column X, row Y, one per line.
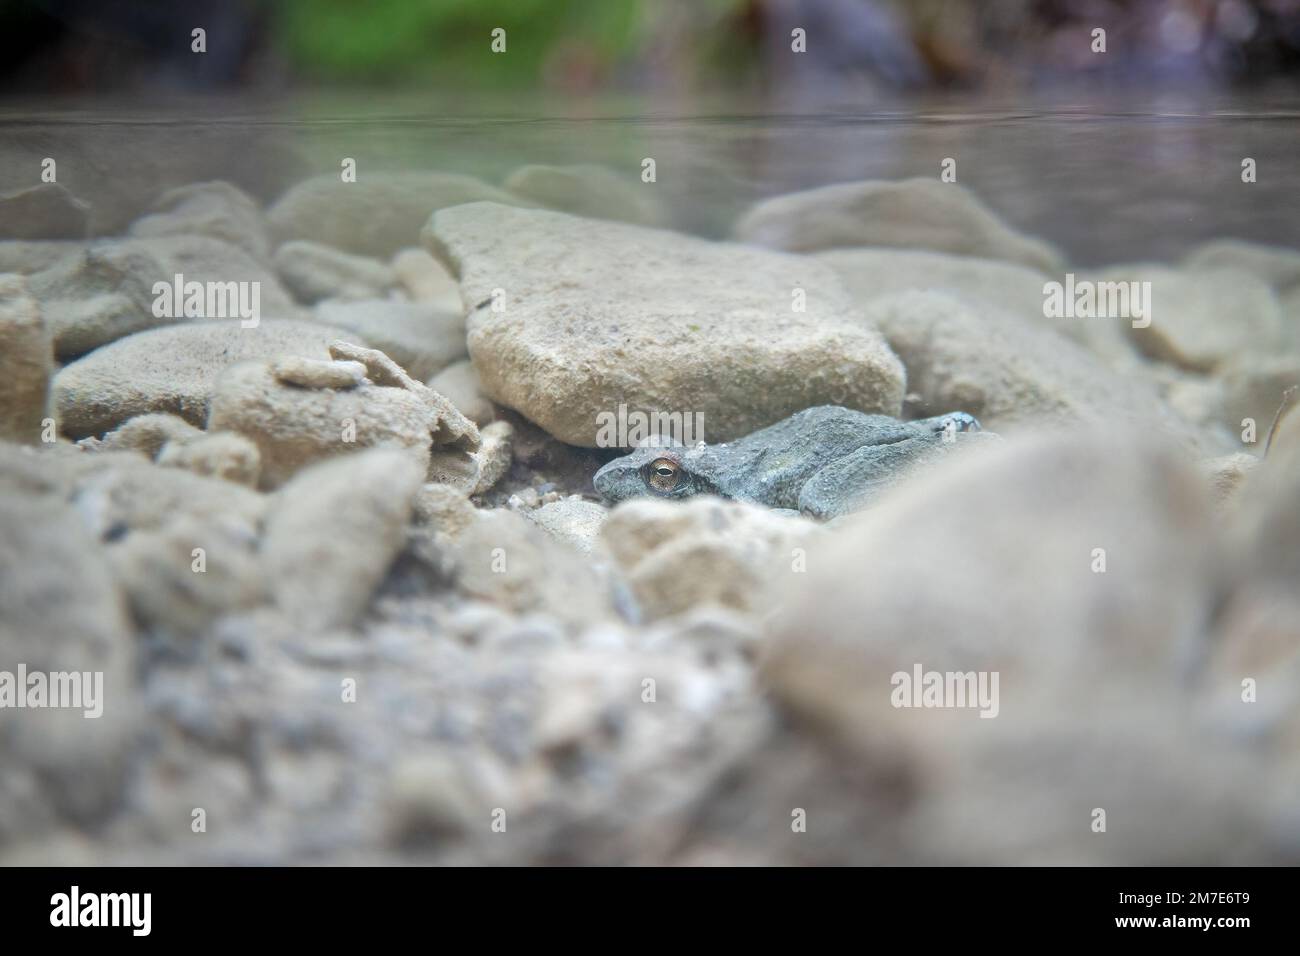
column 643, row 45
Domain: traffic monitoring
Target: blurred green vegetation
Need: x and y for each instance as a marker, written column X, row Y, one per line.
column 389, row 40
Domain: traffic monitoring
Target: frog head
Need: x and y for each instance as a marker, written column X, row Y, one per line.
column 655, row 471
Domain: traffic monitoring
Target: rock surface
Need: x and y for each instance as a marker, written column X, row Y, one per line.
column 26, row 363
column 587, row 190
column 913, row 214
column 217, row 209
column 1080, row 615
column 294, row 425
column 332, row 533
column 119, row 381
column 379, row 214
column 313, row 272
column 1008, row 373
column 1199, row 320
column 108, row 291
column 47, row 211
column 596, row 315
column 62, row 612
column 421, row 337
column 705, row 551
column 460, row 383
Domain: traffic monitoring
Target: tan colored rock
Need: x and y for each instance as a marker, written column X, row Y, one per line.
column 505, row 559
column 706, row 551
column 914, row 214
column 219, row 454
column 425, row 279
column 451, row 427
column 1276, row 265
column 460, row 384
column 118, row 494
column 184, row 575
column 26, row 363
column 61, row 611
column 333, row 532
column 35, row 255
column 217, row 209
column 148, row 433
column 1200, row 320
column 572, row 520
column 422, row 337
column 494, row 456
column 294, row 427
column 587, row 190
column 1006, row 286
column 313, row 272
column 943, row 579
column 318, row 373
column 1254, row 386
column 378, row 214
column 44, row 211
column 107, row 292
column 1008, row 373
column 1092, row 706
column 445, row 508
column 598, row 315
column 119, row 381
column 1226, row 473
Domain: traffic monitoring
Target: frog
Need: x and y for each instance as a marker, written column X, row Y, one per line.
column 822, row 462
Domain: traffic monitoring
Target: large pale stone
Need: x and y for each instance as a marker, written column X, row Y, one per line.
column 912, row 214
column 596, row 315
column 378, row 214
column 172, row 369
column 26, row 362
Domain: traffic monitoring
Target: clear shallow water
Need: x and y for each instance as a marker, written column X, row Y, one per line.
column 1123, row 180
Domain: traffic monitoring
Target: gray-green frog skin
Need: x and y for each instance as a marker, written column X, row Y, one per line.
column 823, row 461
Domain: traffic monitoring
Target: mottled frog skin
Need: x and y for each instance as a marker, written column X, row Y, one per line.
column 823, row 461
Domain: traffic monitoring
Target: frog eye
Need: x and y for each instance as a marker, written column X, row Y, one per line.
column 664, row 474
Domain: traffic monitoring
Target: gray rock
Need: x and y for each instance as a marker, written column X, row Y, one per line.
column 1200, row 320
column 1008, row 373
column 60, row 611
column 183, row 575
column 574, row 521
column 294, row 426
column 1093, row 665
column 148, row 433
column 459, row 382
column 47, row 211
column 378, row 214
column 121, row 494
column 507, row 560
column 587, row 190
column 333, row 532
column 1006, row 286
column 1276, row 265
column 318, row 373
column 678, row 556
column 424, row 279
column 127, row 378
column 107, row 291
column 27, row 256
column 219, row 454
column 313, row 272
column 1253, row 387
column 911, row 214
column 422, row 337
column 217, row 209
column 1226, row 473
column 598, row 315
column 26, row 363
